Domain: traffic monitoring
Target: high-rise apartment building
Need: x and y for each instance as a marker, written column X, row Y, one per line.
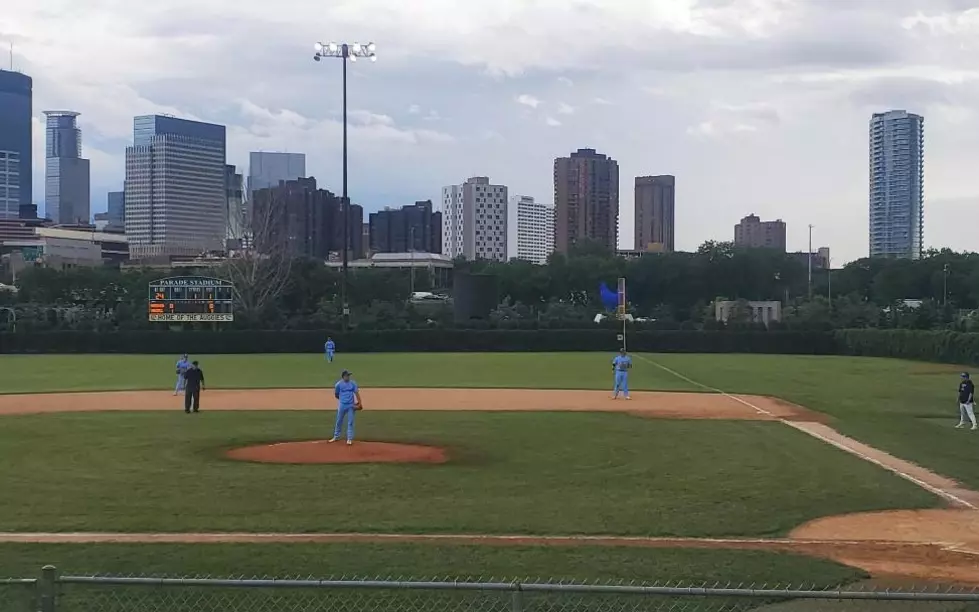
column 16, row 187
column 416, row 227
column 897, row 176
column 753, row 233
column 67, row 182
column 175, row 191
column 304, row 220
column 655, row 218
column 586, row 200
column 531, row 230
column 474, row 220
column 269, row 168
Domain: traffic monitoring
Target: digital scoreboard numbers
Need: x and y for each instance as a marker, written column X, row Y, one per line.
column 191, row 298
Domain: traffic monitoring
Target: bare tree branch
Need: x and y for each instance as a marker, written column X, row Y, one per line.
column 260, row 268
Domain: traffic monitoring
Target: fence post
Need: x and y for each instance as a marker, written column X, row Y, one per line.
column 48, row 586
column 516, row 598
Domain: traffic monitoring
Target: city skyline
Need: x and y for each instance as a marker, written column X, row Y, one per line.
column 783, row 86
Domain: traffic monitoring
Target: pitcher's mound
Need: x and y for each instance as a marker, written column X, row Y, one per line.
column 321, row 451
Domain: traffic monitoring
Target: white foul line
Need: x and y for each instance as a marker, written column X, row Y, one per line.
column 917, row 481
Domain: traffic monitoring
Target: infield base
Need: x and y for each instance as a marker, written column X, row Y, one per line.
column 321, row 451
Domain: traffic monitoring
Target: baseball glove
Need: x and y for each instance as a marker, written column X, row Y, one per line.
column 358, row 406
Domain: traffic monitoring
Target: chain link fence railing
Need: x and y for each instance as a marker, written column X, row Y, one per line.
column 54, row 593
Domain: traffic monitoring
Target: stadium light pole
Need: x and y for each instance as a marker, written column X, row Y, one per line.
column 810, row 263
column 344, row 52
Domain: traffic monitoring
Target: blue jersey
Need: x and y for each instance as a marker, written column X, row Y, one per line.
column 622, row 363
column 182, row 366
column 330, row 346
column 345, row 391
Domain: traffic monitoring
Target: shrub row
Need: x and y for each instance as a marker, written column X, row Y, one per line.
column 444, row 340
column 939, row 346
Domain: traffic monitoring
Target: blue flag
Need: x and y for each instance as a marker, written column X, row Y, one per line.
column 610, row 299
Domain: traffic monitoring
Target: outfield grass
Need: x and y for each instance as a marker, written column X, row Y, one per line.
column 531, row 473
column 48, row 373
column 906, row 408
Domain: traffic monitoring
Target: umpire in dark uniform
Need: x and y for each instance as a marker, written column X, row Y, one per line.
column 193, row 385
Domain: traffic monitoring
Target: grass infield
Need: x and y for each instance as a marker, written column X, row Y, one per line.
column 527, row 473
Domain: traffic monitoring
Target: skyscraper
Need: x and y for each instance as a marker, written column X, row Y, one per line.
column 415, row 227
column 531, row 229
column 16, row 191
column 116, row 207
column 753, row 233
column 67, row 190
column 474, row 220
column 586, row 200
column 176, row 198
column 654, row 202
column 267, row 169
column 897, row 176
column 235, row 190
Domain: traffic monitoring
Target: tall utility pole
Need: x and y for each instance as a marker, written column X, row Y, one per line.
column 945, row 286
column 810, row 261
column 829, row 282
column 411, row 251
column 344, row 52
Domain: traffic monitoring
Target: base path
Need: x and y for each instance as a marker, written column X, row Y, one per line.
column 646, row 403
column 927, row 545
column 951, row 562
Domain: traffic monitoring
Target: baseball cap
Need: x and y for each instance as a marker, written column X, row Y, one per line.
column 346, row 373
column 964, row 375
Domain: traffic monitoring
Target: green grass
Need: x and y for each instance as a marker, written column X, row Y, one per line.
column 48, row 373
column 903, row 407
column 537, row 473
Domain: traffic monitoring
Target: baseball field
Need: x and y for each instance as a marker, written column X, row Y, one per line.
column 721, row 468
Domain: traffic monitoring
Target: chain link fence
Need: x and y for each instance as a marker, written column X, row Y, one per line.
column 54, row 593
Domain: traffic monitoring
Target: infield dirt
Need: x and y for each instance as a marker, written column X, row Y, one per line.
column 929, row 545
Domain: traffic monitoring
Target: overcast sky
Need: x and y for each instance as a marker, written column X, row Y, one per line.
column 757, row 106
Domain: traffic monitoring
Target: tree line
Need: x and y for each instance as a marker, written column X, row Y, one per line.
column 668, row 291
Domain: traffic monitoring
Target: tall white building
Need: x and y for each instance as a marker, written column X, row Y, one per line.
column 267, row 168
column 175, row 192
column 474, row 220
column 530, row 229
column 897, row 175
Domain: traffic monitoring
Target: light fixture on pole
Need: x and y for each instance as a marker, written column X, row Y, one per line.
column 344, row 52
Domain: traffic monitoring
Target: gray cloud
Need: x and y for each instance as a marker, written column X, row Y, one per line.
column 710, row 91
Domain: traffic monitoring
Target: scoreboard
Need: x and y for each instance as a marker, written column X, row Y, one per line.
column 191, row 298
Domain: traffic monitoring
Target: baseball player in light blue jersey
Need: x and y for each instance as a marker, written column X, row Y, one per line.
column 182, row 366
column 348, row 403
column 331, row 348
column 621, row 365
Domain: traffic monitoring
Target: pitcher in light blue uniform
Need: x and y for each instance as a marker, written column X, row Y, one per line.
column 182, row 366
column 331, row 348
column 348, row 403
column 621, row 365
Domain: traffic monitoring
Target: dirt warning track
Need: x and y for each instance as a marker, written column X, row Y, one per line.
column 928, row 545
